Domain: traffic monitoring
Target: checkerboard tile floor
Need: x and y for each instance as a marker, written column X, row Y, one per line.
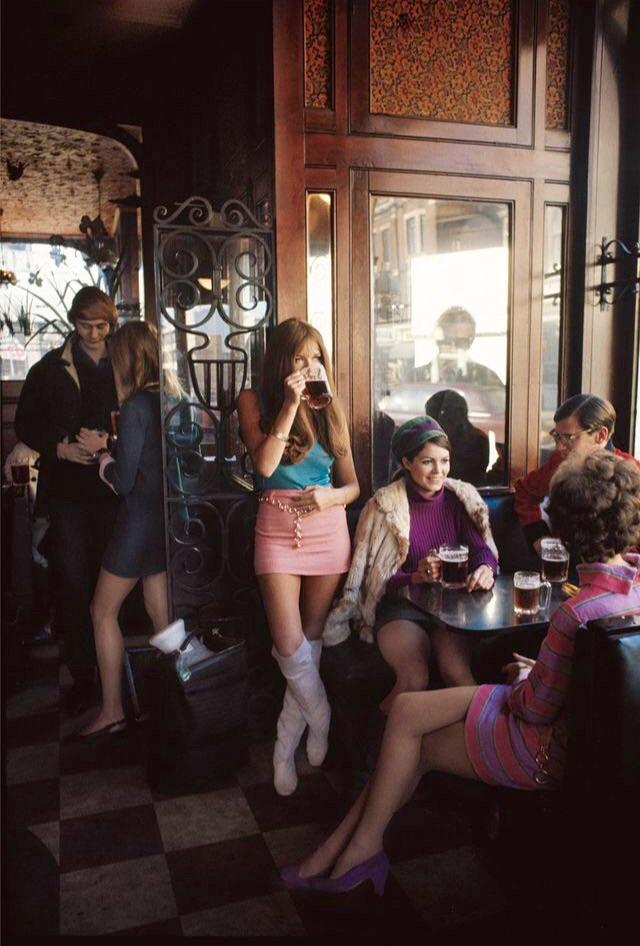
column 113, row 857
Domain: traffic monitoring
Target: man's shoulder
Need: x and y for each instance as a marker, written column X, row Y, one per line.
column 51, row 360
column 626, row 456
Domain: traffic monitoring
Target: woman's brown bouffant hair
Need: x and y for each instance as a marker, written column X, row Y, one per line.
column 328, row 426
column 594, row 505
column 134, row 355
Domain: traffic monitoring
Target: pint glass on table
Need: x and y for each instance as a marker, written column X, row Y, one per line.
column 555, row 560
column 454, row 565
column 530, row 593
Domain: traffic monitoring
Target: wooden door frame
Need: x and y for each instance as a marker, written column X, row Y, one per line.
column 523, row 400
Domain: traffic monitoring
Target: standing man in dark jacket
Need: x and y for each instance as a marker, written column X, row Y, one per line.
column 70, row 388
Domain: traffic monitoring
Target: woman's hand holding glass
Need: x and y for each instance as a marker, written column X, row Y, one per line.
column 481, row 579
column 294, row 385
column 429, row 568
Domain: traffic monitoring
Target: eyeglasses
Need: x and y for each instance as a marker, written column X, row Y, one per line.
column 567, row 439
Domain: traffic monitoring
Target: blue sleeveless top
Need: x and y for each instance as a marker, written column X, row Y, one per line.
column 313, row 470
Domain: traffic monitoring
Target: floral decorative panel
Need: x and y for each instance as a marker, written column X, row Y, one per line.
column 557, row 64
column 445, row 60
column 317, row 53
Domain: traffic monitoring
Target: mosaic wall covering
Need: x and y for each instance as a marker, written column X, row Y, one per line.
column 57, row 185
column 557, row 64
column 447, row 60
column 317, row 53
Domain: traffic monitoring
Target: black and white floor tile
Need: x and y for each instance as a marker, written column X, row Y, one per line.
column 101, row 853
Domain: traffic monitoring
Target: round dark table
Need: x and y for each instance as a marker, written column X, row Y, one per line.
column 481, row 612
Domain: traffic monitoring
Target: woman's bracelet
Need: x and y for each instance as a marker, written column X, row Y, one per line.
column 280, row 436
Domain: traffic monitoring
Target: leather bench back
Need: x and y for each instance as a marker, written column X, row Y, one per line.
column 603, row 708
column 515, row 554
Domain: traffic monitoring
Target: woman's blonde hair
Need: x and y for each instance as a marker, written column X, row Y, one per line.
column 328, row 426
column 134, row 355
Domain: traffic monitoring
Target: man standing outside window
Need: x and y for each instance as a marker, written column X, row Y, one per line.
column 70, row 388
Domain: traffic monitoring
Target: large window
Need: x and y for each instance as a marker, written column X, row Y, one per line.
column 33, row 312
column 320, row 264
column 552, row 308
column 440, row 327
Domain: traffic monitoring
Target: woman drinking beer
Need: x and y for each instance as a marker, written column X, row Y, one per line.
column 296, row 434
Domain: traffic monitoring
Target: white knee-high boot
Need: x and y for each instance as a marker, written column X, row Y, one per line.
column 291, row 726
column 317, row 745
column 303, row 679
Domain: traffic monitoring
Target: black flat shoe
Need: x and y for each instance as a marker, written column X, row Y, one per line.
column 111, row 729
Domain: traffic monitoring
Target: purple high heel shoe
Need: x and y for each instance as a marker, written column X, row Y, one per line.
column 376, row 869
column 293, row 880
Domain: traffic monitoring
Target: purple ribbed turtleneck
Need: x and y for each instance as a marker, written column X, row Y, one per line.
column 439, row 520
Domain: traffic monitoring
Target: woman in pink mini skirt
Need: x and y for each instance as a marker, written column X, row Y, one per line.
column 296, row 432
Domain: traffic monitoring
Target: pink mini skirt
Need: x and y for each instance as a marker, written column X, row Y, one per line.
column 315, row 544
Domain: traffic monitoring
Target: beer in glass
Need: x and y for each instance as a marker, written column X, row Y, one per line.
column 530, row 593
column 454, row 565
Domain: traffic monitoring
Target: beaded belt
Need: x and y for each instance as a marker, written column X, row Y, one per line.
column 296, row 512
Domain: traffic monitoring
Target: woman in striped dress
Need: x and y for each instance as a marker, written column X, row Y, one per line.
column 511, row 734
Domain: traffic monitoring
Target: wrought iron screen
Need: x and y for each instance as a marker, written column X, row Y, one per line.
column 215, row 285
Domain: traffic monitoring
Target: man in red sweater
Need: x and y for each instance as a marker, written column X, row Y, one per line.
column 583, row 423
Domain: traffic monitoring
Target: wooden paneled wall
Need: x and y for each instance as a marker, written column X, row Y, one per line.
column 503, row 99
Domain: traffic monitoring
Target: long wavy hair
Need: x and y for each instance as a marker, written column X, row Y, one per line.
column 134, row 356
column 328, row 426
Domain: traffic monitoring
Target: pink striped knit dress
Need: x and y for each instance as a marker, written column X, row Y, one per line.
column 506, row 725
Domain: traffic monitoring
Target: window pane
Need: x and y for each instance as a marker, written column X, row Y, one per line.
column 440, row 323
column 33, row 312
column 554, row 223
column 320, row 265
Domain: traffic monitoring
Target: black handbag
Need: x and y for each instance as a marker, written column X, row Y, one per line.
column 199, row 731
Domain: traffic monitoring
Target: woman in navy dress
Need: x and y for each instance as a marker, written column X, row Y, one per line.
column 136, row 549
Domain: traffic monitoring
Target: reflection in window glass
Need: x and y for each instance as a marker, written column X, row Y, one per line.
column 554, row 223
column 320, row 265
column 440, row 325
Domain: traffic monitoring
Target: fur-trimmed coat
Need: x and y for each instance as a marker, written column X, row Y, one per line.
column 381, row 546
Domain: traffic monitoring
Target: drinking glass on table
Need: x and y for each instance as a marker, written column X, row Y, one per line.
column 531, row 593
column 454, row 565
column 316, row 393
column 555, row 560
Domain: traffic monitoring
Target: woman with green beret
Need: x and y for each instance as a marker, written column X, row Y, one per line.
column 419, row 511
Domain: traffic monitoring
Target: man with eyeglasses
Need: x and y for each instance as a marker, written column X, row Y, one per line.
column 583, row 423
column 70, row 388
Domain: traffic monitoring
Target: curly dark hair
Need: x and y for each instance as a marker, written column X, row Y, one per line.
column 594, row 505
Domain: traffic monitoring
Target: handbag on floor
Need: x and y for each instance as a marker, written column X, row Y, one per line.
column 198, row 716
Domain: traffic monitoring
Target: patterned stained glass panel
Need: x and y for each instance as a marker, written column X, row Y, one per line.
column 557, row 64
column 444, row 60
column 318, row 52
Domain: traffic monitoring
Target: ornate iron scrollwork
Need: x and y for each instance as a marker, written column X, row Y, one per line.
column 215, row 287
column 604, row 291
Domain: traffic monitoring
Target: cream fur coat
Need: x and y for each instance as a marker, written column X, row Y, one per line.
column 381, row 545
